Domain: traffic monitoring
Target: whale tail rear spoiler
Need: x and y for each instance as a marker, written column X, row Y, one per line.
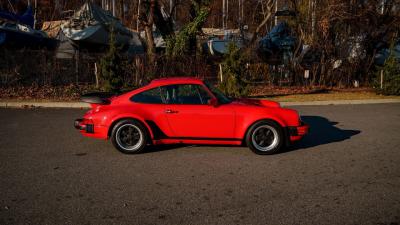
column 97, row 98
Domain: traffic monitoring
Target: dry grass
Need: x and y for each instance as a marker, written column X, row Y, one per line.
column 331, row 96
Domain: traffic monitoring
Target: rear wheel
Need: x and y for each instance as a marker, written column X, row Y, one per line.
column 129, row 136
column 265, row 137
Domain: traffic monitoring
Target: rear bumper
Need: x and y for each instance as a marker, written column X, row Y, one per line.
column 298, row 132
column 87, row 128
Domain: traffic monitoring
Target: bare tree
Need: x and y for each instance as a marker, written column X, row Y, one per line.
column 269, row 7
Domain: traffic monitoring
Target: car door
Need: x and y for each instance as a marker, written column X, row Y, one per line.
column 190, row 116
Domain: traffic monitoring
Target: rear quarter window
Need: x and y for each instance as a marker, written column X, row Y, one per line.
column 152, row 96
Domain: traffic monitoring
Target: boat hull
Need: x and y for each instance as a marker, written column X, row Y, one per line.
column 93, row 37
column 17, row 40
column 220, row 47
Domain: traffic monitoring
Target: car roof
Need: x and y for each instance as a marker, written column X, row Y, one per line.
column 162, row 82
column 176, row 80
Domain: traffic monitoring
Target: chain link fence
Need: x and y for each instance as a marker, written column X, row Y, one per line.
column 43, row 68
column 40, row 67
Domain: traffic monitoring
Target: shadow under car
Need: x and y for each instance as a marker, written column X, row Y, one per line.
column 322, row 131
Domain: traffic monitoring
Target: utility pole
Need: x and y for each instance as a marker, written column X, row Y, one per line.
column 35, row 15
column 313, row 6
column 242, row 10
column 382, row 12
column 239, row 9
column 276, row 9
column 227, row 13
column 223, row 14
column 113, row 8
column 240, row 14
column 171, row 7
column 137, row 19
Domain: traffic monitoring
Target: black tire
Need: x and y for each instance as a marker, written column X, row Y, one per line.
column 129, row 136
column 266, row 132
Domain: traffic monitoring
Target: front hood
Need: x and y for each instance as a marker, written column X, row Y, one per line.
column 256, row 102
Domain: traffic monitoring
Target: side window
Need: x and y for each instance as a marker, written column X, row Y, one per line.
column 152, row 96
column 204, row 96
column 190, row 94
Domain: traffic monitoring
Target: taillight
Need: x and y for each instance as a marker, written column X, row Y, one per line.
column 87, row 121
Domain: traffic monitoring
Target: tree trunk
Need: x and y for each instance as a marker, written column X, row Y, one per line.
column 151, row 48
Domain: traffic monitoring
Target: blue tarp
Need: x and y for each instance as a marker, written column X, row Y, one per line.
column 25, row 18
column 278, row 39
column 384, row 53
column 278, row 45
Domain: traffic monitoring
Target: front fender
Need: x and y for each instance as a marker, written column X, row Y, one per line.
column 245, row 126
column 284, row 117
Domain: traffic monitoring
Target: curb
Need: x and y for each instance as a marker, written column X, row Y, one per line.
column 81, row 105
column 342, row 102
column 74, row 105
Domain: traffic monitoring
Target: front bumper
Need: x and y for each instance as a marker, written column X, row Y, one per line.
column 296, row 133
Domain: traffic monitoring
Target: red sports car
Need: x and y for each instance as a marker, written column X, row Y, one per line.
column 189, row 111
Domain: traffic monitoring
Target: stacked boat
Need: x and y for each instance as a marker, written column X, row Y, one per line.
column 91, row 27
column 220, row 39
column 16, row 31
column 278, row 45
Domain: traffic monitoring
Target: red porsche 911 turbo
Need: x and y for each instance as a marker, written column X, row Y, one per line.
column 188, row 111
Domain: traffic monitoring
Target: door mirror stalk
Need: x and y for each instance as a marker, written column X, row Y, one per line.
column 213, row 102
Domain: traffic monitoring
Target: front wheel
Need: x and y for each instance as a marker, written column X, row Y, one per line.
column 129, row 136
column 265, row 137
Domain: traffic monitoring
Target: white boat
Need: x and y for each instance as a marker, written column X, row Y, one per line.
column 220, row 46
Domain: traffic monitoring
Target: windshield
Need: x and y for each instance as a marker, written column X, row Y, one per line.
column 222, row 98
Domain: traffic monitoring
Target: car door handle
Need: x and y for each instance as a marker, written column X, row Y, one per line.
column 170, row 111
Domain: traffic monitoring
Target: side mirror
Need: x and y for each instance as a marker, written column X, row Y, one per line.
column 213, row 102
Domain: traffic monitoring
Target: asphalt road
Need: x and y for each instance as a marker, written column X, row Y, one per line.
column 346, row 171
